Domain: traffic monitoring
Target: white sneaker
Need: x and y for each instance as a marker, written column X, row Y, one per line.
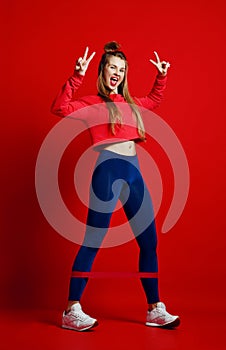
column 77, row 320
column 159, row 317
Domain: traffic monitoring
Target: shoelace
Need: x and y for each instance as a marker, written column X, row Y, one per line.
column 81, row 315
column 161, row 311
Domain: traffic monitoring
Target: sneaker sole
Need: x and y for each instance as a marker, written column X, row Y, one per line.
column 80, row 329
column 172, row 324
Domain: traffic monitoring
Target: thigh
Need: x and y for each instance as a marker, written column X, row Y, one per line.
column 104, row 192
column 138, row 207
column 105, row 189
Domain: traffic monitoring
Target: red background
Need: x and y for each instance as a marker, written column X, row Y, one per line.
column 42, row 41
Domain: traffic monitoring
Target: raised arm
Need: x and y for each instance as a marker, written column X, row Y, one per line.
column 64, row 104
column 155, row 96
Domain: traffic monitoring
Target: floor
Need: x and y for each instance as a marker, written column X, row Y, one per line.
column 119, row 328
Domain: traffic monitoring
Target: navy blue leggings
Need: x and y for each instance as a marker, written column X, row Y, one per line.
column 117, row 177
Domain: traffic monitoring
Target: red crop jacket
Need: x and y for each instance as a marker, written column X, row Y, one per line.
column 96, row 115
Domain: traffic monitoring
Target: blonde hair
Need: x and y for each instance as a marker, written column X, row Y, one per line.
column 113, row 49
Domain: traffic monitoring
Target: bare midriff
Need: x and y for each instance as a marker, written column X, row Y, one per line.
column 126, row 148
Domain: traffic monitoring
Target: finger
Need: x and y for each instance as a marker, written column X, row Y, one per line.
column 163, row 64
column 157, row 57
column 91, row 57
column 154, row 62
column 165, row 69
column 86, row 52
column 166, row 66
column 78, row 63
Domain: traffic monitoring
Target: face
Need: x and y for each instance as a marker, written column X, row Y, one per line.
column 114, row 73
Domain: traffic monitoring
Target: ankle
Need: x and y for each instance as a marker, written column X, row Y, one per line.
column 152, row 306
column 70, row 304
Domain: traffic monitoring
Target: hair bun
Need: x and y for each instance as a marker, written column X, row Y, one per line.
column 111, row 46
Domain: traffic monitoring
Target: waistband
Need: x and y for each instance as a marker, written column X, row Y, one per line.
column 107, row 155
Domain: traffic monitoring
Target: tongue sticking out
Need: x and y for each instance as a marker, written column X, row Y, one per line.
column 113, row 82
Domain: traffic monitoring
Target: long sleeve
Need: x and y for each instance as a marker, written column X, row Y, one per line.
column 155, row 96
column 64, row 104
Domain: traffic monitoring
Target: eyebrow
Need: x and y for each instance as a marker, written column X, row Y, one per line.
column 114, row 65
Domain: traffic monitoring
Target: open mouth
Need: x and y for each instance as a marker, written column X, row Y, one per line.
column 113, row 81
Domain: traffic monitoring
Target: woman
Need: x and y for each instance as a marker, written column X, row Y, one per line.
column 120, row 126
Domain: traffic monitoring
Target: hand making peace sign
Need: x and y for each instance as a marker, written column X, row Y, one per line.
column 83, row 62
column 162, row 66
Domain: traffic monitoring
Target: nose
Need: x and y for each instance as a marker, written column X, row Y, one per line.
column 117, row 72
